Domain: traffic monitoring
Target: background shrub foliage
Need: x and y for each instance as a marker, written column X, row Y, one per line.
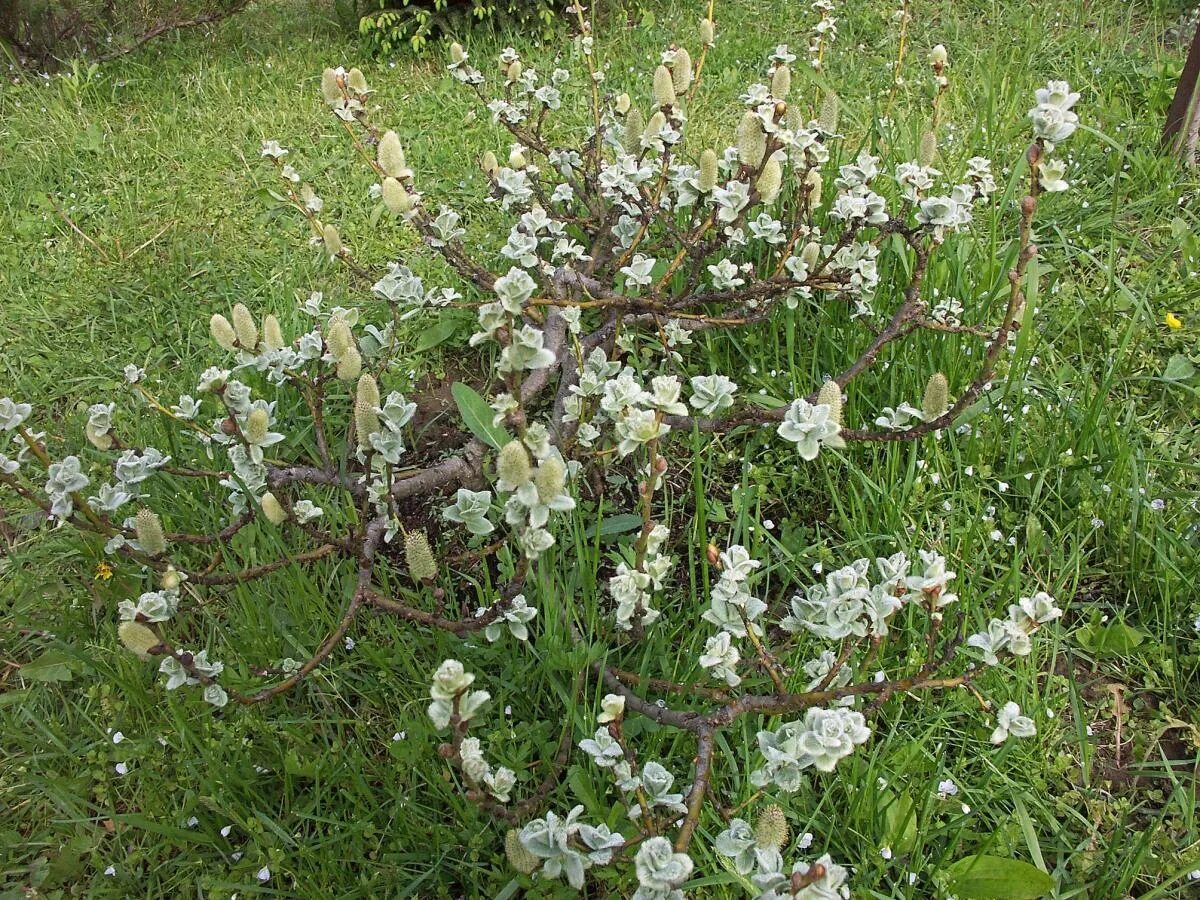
column 388, row 25
column 929, row 801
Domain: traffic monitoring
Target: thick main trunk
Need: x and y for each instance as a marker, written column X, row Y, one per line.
column 1183, row 118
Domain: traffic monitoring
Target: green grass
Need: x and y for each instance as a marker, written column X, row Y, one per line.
column 154, row 159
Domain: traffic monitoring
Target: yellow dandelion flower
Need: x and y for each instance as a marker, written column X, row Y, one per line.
column 1173, row 321
column 103, row 571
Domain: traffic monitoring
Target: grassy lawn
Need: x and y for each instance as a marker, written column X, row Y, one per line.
column 135, row 206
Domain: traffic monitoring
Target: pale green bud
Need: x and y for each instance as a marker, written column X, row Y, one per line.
column 244, row 327
column 815, row 185
column 357, row 81
column 708, row 171
column 489, row 164
column 339, row 338
column 708, row 32
column 681, row 70
column 664, row 87
column 634, row 126
column 751, row 141
column 655, row 125
column 831, row 395
column 349, row 365
column 512, row 464
column 827, row 118
column 390, row 154
column 937, row 396
column 551, row 478
column 150, row 532
column 623, row 103
column 330, row 89
column 781, row 82
column 273, row 509
column 418, row 555
column 398, row 200
column 222, row 332
column 333, row 240
column 810, row 254
column 457, row 53
column 137, row 638
column 99, row 441
column 928, row 149
column 258, row 423
column 272, row 333
column 770, row 181
column 771, row 828
column 518, row 857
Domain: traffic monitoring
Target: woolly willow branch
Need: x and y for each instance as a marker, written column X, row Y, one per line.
column 264, row 569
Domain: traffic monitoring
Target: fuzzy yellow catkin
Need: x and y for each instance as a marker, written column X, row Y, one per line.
column 681, row 70
column 827, row 118
column 244, row 327
column 339, row 339
column 512, row 464
column 366, row 420
column 938, row 57
column 771, row 828
column 418, row 556
column 331, row 91
column 751, row 141
column 489, row 164
column 781, row 82
column 623, row 102
column 222, row 332
column 634, row 126
column 150, row 532
column 170, row 579
column 518, row 857
column 664, row 87
column 937, row 396
column 349, row 366
column 258, row 423
column 272, row 333
column 770, row 181
column 333, row 240
column 396, row 198
column 97, row 440
column 551, row 478
column 516, row 157
column 514, row 71
column 928, row 148
column 707, row 179
column 357, row 82
column 137, row 638
column 457, row 53
column 390, row 154
column 831, row 395
column 708, row 32
column 273, row 509
column 815, row 184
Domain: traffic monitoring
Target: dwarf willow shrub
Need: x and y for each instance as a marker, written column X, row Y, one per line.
column 626, row 245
